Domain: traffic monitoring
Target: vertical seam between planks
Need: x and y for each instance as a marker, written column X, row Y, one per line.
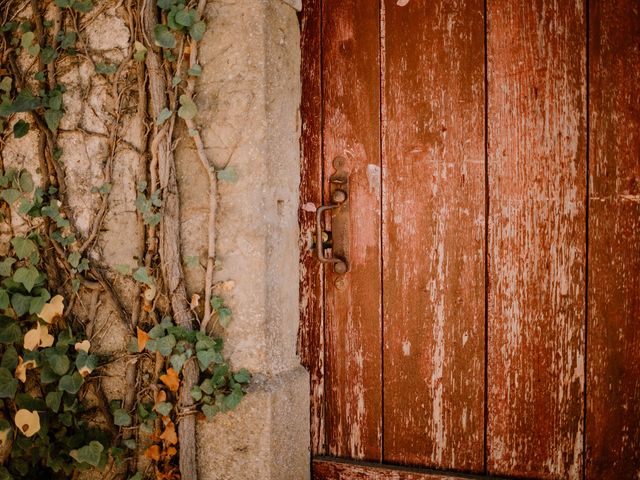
column 381, row 112
column 586, row 263
column 486, row 242
column 323, row 284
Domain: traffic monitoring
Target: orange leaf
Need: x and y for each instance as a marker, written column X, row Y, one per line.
column 169, row 434
column 170, row 452
column 153, row 452
column 171, row 380
column 142, row 339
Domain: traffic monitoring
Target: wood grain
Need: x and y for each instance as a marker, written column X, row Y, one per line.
column 330, row 469
column 433, row 233
column 351, row 96
column 613, row 336
column 311, row 332
column 537, row 192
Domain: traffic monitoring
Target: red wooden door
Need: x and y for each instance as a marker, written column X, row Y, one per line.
column 487, row 323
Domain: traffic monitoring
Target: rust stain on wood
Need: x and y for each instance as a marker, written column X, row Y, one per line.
column 613, row 333
column 351, row 98
column 433, row 233
column 537, row 170
column 311, row 332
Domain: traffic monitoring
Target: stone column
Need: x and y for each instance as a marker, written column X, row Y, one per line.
column 248, row 97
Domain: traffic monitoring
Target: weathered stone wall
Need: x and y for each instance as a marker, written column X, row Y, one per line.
column 248, row 96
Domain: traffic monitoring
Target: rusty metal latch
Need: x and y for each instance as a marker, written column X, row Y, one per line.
column 339, row 189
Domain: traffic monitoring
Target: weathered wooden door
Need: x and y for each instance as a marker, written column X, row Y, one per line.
column 489, row 322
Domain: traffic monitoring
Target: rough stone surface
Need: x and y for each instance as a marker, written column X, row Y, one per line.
column 265, row 437
column 248, row 96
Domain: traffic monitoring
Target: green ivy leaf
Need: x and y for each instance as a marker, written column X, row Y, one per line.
column 165, row 4
column 10, row 358
column 23, row 247
column 177, row 361
column 10, row 195
column 165, row 345
column 71, row 383
column 8, row 384
column 163, row 37
column 59, row 363
column 187, row 109
column 106, row 68
column 67, row 40
column 9, row 331
column 20, row 129
column 47, row 375
column 20, row 303
column 5, row 266
column 88, row 454
column 195, row 71
column 48, row 55
column 186, row 17
column 5, row 84
column 5, row 301
column 27, row 39
column 86, row 360
column 164, row 408
column 224, row 317
column 74, row 259
column 210, row 410
column 27, row 276
column 53, row 400
column 130, row 443
column 82, row 6
column 53, row 117
column 140, row 51
column 232, row 400
column 197, row 30
column 25, row 102
column 206, row 386
column 196, row 393
column 26, row 181
column 121, row 418
column 242, row 376
column 206, row 358
column 228, row 175
column 141, row 275
column 163, row 116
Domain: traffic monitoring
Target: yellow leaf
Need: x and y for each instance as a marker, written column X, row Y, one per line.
column 21, row 369
column 27, row 422
column 84, row 371
column 52, row 310
column 32, row 338
column 142, row 339
column 84, row 346
column 153, row 452
column 46, row 339
column 38, row 337
column 171, row 380
column 169, row 434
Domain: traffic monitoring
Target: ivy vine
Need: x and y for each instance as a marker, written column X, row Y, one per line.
column 55, row 419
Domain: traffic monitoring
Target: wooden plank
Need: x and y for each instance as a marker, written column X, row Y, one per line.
column 311, row 332
column 537, row 193
column 433, row 233
column 613, row 336
column 333, row 469
column 351, row 99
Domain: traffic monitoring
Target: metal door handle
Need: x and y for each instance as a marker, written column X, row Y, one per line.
column 339, row 198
